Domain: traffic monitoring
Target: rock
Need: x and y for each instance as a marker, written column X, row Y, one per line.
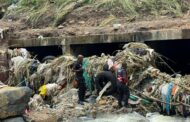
column 72, row 21
column 116, row 26
column 87, row 33
column 71, row 33
column 13, row 101
column 81, row 22
column 17, row 119
column 60, row 27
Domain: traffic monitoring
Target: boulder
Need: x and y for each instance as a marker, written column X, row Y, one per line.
column 13, row 101
column 16, row 119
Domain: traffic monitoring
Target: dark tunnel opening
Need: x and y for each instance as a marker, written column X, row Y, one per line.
column 175, row 50
column 42, row 51
column 96, row 49
column 177, row 53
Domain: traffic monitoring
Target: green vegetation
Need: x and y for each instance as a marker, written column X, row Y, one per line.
column 54, row 12
column 152, row 7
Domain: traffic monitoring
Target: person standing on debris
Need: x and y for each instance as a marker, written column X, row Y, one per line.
column 122, row 81
column 80, row 79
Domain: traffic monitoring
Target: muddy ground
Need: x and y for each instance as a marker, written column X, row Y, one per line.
column 21, row 31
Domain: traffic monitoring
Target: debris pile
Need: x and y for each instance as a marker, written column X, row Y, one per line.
column 151, row 89
column 66, row 107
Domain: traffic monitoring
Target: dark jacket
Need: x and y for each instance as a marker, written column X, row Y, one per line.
column 103, row 78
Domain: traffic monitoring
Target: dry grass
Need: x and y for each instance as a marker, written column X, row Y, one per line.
column 138, row 7
column 38, row 10
column 108, row 20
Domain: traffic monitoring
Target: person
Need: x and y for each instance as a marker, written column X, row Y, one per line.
column 122, row 81
column 103, row 78
column 48, row 90
column 77, row 68
column 110, row 63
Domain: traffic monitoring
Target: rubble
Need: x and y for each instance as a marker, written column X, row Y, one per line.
column 41, row 116
column 150, row 91
column 68, row 109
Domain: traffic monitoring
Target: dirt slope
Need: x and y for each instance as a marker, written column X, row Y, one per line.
column 52, row 18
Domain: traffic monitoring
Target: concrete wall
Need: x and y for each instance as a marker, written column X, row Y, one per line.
column 140, row 36
column 4, row 63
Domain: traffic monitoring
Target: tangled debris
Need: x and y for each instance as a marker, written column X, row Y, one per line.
column 151, row 90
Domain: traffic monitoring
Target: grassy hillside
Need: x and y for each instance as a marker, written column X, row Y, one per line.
column 43, row 13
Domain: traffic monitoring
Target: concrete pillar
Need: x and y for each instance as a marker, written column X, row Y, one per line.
column 66, row 47
column 4, row 61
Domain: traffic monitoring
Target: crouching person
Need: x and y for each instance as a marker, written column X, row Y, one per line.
column 102, row 79
column 123, row 90
column 47, row 91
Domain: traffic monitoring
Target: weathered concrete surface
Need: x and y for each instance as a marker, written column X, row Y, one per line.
column 138, row 36
column 13, row 101
column 153, row 35
column 4, row 64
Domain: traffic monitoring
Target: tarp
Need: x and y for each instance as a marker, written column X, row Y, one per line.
column 88, row 79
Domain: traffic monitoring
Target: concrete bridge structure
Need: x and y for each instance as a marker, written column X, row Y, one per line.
column 138, row 36
column 172, row 43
